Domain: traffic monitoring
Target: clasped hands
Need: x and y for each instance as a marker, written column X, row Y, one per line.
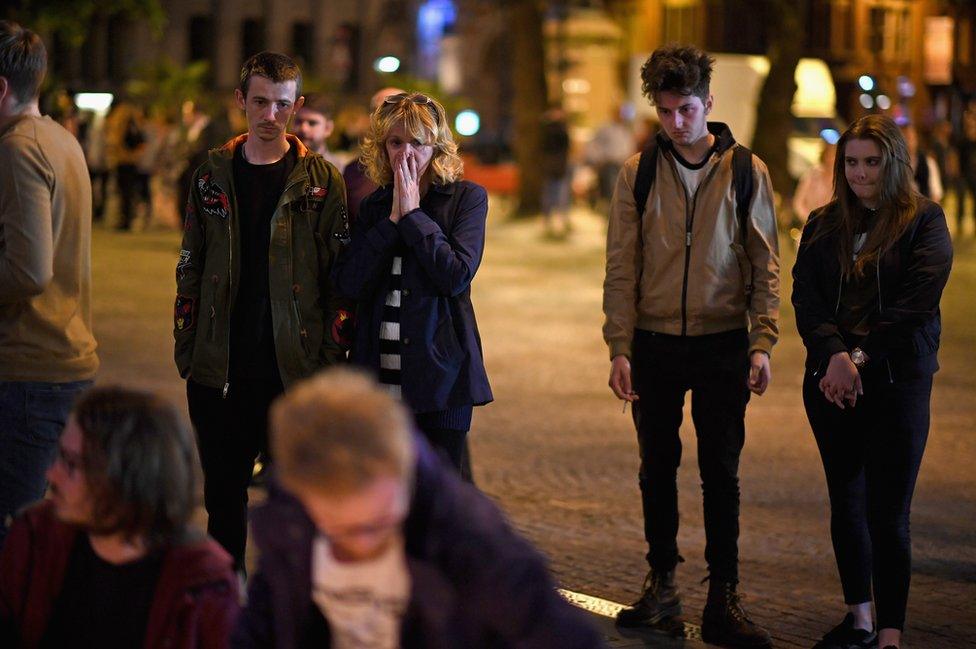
column 406, row 185
column 841, row 384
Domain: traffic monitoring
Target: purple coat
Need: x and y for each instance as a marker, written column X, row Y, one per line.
column 475, row 583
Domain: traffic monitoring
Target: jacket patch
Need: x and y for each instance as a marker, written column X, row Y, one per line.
column 343, row 328
column 183, row 312
column 183, row 263
column 215, row 201
column 317, row 192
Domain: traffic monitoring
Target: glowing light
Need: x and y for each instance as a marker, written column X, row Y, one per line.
column 98, row 102
column 576, row 86
column 867, row 100
column 884, row 103
column 830, row 135
column 387, row 64
column 467, row 122
column 866, row 82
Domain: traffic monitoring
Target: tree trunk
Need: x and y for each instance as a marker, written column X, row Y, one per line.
column 525, row 19
column 774, row 120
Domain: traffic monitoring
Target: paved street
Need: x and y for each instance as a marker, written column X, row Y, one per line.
column 560, row 457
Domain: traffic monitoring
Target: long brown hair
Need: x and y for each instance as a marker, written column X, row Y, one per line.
column 140, row 464
column 897, row 200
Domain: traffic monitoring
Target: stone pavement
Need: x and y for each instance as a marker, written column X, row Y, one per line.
column 559, row 456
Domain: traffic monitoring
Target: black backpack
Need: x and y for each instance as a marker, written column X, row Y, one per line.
column 742, row 181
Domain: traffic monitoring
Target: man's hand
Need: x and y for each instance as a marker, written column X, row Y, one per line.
column 620, row 379
column 842, row 382
column 760, row 373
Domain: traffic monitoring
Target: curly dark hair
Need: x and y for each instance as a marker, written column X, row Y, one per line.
column 683, row 69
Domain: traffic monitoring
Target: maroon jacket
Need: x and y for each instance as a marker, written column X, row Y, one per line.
column 196, row 601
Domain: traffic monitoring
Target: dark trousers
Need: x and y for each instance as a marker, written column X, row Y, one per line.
column 871, row 455
column 715, row 369
column 32, row 416
column 452, row 446
column 230, row 433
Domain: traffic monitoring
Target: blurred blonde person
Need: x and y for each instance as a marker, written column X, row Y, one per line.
column 816, row 186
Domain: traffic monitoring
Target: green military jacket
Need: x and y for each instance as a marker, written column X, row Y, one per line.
column 308, row 229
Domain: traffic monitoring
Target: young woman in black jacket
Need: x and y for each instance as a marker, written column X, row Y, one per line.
column 867, row 282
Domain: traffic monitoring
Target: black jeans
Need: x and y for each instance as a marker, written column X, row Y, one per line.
column 230, row 433
column 715, row 368
column 871, row 455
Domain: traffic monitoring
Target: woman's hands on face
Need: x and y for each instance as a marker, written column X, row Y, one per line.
column 406, row 185
column 842, row 382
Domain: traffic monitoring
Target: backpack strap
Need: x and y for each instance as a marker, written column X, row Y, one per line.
column 646, row 170
column 742, row 183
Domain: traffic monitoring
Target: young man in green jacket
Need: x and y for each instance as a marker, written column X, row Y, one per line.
column 255, row 310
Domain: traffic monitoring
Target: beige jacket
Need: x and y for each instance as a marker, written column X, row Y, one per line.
column 45, row 255
column 682, row 269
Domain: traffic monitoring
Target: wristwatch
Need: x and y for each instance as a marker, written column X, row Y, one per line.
column 858, row 357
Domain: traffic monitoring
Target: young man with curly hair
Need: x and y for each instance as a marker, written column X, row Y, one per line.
column 691, row 303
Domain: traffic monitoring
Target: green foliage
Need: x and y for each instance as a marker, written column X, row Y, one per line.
column 70, row 19
column 163, row 85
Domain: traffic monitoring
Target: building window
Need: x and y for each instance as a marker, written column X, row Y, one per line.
column 302, row 43
column 252, row 37
column 890, row 31
column 201, row 38
column 682, row 21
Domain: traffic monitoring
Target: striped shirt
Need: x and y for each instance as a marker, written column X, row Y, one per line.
column 390, row 331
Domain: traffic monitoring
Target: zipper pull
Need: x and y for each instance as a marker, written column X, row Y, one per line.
column 223, row 395
column 688, row 239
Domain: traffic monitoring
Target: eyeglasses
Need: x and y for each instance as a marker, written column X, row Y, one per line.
column 417, row 98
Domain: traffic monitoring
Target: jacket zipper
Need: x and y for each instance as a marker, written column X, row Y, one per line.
column 891, row 378
column 213, row 311
column 230, row 292
column 690, row 202
column 302, row 332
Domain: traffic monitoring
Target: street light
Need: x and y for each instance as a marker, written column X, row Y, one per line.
column 387, row 64
column 866, row 81
column 467, row 122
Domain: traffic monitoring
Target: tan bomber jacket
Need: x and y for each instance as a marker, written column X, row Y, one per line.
column 682, row 268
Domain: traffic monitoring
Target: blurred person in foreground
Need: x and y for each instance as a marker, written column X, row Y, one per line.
column 255, row 310
column 111, row 559
column 372, row 543
column 358, row 183
column 691, row 299
column 415, row 250
column 47, row 350
column 867, row 283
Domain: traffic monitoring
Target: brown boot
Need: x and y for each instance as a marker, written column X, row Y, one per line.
column 725, row 623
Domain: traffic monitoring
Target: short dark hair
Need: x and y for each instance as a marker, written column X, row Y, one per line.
column 274, row 66
column 319, row 104
column 683, row 69
column 140, row 464
column 23, row 60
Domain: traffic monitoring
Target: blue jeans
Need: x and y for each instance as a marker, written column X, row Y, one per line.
column 32, row 415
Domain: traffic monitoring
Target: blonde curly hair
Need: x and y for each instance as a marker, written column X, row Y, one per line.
column 425, row 120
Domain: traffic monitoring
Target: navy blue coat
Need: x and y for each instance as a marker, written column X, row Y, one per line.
column 442, row 243
column 475, row 584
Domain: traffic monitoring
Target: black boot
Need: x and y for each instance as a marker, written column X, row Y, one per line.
column 659, row 602
column 725, row 623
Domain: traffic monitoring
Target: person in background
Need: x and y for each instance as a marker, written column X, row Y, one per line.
column 384, row 547
column 47, row 348
column 556, row 195
column 928, row 180
column 612, row 144
column 111, row 559
column 415, row 250
column 314, row 126
column 867, row 282
column 816, row 185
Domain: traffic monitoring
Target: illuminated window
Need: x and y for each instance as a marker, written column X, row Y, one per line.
column 890, row 31
column 682, row 21
column 435, row 20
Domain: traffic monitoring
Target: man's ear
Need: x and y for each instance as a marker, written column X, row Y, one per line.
column 299, row 103
column 4, row 89
column 329, row 126
column 240, row 98
column 708, row 104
